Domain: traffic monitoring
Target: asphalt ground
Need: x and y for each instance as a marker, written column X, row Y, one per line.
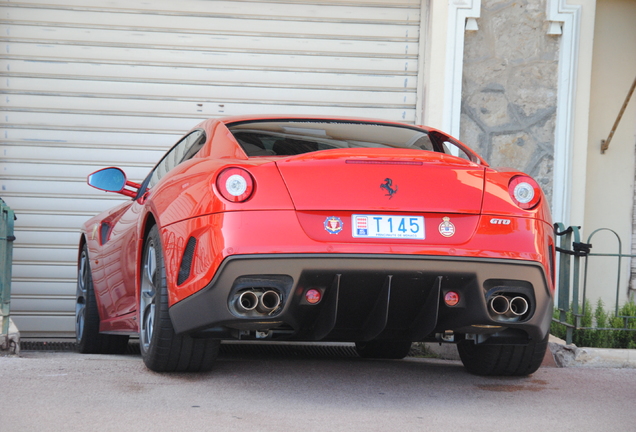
column 290, row 390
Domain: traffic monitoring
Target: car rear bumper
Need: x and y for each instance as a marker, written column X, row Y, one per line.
column 195, row 249
column 366, row 296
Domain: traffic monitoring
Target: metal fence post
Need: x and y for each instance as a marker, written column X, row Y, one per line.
column 569, row 266
column 563, row 285
column 576, row 273
column 6, row 259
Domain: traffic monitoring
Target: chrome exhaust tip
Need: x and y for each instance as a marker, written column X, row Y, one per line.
column 268, row 301
column 499, row 304
column 519, row 306
column 247, row 301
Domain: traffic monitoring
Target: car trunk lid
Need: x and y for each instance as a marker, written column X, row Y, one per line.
column 380, row 180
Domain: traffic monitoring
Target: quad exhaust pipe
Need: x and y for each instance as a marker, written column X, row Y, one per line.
column 269, row 301
column 519, row 306
column 247, row 301
column 499, row 304
column 508, row 306
column 263, row 302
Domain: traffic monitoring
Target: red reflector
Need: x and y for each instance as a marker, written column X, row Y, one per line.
column 313, row 296
column 451, row 298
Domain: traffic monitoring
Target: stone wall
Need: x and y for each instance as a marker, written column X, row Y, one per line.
column 509, row 88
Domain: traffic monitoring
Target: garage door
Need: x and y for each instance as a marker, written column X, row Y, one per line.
column 90, row 84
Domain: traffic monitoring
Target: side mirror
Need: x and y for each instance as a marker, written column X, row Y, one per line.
column 112, row 180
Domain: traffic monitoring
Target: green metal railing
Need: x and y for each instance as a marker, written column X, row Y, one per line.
column 6, row 258
column 571, row 296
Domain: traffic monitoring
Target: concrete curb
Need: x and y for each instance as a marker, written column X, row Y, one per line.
column 560, row 354
column 10, row 343
column 573, row 356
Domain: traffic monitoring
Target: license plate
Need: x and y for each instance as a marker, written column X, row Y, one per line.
column 388, row 226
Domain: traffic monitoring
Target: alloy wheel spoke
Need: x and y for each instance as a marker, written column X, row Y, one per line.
column 80, row 311
column 151, row 263
column 82, row 276
column 80, row 296
column 147, row 297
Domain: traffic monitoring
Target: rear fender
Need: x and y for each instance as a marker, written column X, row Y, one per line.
column 191, row 191
column 497, row 199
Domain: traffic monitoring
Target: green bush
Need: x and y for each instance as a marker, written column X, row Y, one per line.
column 604, row 329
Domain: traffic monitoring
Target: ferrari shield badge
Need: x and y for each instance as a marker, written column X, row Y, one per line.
column 446, row 228
column 333, row 225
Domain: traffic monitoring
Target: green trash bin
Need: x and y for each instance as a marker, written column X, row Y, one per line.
column 6, row 259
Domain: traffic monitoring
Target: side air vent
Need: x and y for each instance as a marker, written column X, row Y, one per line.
column 104, row 233
column 186, row 261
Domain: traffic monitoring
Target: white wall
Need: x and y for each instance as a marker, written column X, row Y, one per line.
column 609, row 179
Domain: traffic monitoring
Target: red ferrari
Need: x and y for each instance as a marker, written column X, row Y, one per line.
column 319, row 229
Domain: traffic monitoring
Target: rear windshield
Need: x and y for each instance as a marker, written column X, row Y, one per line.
column 292, row 137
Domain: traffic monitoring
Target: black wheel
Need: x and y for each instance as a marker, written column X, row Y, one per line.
column 383, row 349
column 87, row 336
column 162, row 349
column 506, row 360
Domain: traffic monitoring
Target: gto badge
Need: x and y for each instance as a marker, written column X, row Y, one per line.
column 388, row 187
column 496, row 221
column 333, row 225
column 446, row 228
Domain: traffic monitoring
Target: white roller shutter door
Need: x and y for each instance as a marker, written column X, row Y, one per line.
column 88, row 84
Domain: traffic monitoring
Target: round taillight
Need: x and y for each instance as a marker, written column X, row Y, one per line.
column 451, row 298
column 524, row 191
column 235, row 184
column 313, row 296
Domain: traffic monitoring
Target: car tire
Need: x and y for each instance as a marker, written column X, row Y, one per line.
column 383, row 349
column 502, row 360
column 161, row 348
column 87, row 336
